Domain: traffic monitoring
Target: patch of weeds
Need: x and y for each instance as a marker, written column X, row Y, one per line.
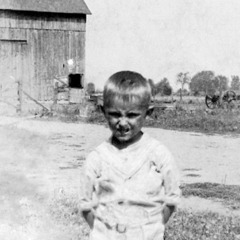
column 64, row 210
column 187, row 225
column 221, row 121
column 194, row 117
column 227, row 194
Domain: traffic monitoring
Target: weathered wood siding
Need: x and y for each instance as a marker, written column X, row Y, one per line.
column 12, row 68
column 49, row 41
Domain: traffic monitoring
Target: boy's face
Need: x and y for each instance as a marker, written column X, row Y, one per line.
column 126, row 119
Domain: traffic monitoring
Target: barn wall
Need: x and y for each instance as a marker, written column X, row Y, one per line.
column 49, row 40
column 12, row 68
column 49, row 51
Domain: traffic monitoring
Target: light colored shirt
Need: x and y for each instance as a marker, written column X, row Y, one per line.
column 127, row 189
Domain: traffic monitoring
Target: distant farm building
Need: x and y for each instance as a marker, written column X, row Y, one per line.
column 42, row 43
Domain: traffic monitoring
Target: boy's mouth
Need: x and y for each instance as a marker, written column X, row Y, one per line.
column 123, row 132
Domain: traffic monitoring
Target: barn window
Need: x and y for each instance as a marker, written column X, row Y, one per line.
column 75, row 80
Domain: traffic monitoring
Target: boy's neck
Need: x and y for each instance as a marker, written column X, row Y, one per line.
column 124, row 144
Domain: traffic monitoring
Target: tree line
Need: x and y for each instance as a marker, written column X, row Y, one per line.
column 202, row 83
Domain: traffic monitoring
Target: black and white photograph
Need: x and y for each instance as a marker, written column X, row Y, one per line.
column 119, row 120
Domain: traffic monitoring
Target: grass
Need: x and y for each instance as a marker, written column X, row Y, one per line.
column 199, row 119
column 219, row 121
column 229, row 195
column 64, row 210
column 187, row 225
column 189, row 115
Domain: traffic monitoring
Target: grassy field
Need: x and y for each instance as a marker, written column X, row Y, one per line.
column 228, row 195
column 186, row 225
column 200, row 120
column 189, row 115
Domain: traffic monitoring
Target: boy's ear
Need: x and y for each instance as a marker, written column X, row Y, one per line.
column 102, row 109
column 150, row 110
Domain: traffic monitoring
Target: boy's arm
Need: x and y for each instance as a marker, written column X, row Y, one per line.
column 171, row 186
column 88, row 201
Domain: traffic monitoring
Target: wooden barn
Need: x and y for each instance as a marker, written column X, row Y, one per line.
column 42, row 43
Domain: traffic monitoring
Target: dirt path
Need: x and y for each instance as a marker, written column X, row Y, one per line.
column 200, row 157
column 40, row 159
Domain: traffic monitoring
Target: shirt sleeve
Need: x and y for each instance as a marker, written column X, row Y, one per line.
column 89, row 173
column 171, row 181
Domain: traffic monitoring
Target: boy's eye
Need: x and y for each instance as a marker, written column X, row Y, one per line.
column 133, row 115
column 114, row 114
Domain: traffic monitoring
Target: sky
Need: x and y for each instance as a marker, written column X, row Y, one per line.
column 160, row 38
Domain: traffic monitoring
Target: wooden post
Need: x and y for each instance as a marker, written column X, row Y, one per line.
column 19, row 97
column 55, row 96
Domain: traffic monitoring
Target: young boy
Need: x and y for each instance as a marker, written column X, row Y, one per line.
column 130, row 187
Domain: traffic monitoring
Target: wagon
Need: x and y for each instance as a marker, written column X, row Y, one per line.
column 217, row 100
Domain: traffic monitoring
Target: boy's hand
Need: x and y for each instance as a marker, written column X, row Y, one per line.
column 87, row 210
column 89, row 217
column 167, row 212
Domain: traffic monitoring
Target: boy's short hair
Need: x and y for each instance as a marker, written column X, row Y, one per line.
column 127, row 86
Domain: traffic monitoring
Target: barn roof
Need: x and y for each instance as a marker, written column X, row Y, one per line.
column 51, row 6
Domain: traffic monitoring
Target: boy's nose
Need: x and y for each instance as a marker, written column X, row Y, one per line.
column 123, row 122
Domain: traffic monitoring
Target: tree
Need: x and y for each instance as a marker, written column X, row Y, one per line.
column 202, row 82
column 90, row 88
column 152, row 85
column 220, row 84
column 184, row 92
column 164, row 87
column 235, row 83
column 183, row 79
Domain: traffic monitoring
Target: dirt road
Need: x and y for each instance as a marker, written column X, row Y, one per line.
column 40, row 159
column 200, row 157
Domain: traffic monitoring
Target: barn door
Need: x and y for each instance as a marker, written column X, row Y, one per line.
column 12, row 66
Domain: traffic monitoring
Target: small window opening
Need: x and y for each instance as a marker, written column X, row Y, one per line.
column 75, row 80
